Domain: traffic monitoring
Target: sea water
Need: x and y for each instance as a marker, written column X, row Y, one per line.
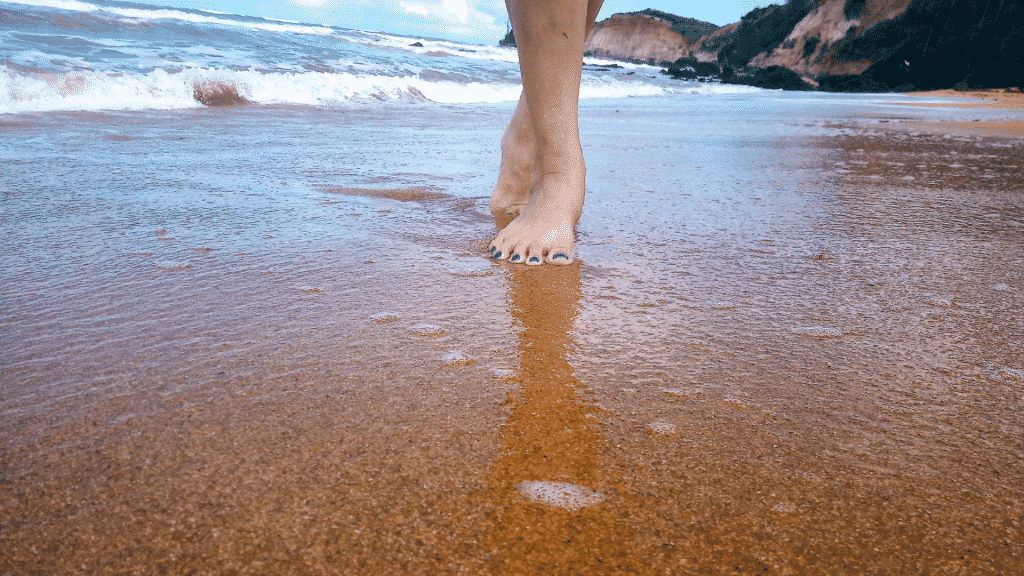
column 109, row 55
column 273, row 326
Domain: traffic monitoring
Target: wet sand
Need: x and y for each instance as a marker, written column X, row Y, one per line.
column 992, row 100
column 225, row 352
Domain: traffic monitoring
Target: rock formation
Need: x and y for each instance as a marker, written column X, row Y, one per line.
column 844, row 44
column 647, row 35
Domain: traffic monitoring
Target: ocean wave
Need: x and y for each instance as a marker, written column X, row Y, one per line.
column 91, row 90
column 251, row 23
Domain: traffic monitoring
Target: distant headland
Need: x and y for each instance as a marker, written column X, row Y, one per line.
column 831, row 45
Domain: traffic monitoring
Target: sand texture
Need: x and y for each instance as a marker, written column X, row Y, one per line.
column 266, row 341
column 992, row 100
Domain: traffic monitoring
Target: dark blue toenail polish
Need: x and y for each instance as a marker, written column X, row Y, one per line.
column 559, row 255
column 493, row 248
column 515, row 258
column 534, row 260
column 497, row 255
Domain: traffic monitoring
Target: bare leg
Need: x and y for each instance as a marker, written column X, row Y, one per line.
column 550, row 37
column 518, row 147
column 517, row 150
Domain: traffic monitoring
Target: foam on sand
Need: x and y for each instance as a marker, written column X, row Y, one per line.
column 561, row 494
column 818, row 331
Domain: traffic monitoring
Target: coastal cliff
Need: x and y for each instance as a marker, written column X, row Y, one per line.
column 646, row 35
column 845, row 44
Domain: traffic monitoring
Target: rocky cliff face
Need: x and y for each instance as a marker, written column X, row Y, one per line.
column 636, row 37
column 816, row 44
column 889, row 43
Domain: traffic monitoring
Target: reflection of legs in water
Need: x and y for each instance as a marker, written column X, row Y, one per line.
column 540, row 190
column 551, row 436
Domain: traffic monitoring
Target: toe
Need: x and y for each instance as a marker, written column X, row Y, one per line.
column 560, row 257
column 516, row 258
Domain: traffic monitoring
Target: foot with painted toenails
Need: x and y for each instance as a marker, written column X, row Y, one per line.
column 539, row 195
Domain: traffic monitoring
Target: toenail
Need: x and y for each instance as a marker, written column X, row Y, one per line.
column 497, row 255
column 559, row 255
column 515, row 258
column 533, row 260
column 493, row 248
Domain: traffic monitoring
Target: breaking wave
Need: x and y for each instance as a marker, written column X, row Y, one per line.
column 90, row 90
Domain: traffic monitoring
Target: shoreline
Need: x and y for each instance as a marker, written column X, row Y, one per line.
column 994, row 100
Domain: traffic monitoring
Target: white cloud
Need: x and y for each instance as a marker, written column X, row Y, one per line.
column 416, row 9
column 453, row 11
column 474, row 21
column 458, row 7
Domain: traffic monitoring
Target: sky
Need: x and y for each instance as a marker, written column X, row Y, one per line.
column 470, row 21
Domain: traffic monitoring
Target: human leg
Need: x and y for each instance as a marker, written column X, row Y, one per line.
column 550, row 38
column 517, row 150
column 512, row 190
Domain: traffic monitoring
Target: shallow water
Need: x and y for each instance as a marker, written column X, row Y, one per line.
column 265, row 340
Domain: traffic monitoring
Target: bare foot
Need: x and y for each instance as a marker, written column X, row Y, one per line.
column 518, row 149
column 545, row 229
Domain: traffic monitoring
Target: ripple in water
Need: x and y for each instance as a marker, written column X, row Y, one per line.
column 427, row 330
column 818, row 331
column 504, row 373
column 561, row 494
column 458, row 358
column 168, row 265
column 471, row 272
column 1011, row 373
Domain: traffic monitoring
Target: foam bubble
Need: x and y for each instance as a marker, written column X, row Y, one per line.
column 937, row 301
column 427, row 330
column 504, row 373
column 723, row 305
column 785, row 508
column 458, row 358
column 561, row 494
column 171, row 265
column 662, row 428
column 471, row 272
column 384, row 317
column 818, row 331
column 1002, row 287
column 1011, row 373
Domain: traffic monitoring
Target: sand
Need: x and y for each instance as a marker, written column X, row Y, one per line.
column 993, row 100
column 267, row 341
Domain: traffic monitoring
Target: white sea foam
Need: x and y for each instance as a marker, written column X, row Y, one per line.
column 561, row 494
column 159, row 89
column 470, row 51
column 818, row 331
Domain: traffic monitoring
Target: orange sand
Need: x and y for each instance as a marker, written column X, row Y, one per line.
column 818, row 376
column 994, row 99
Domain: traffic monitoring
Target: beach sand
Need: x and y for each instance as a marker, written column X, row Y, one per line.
column 267, row 341
column 992, row 100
